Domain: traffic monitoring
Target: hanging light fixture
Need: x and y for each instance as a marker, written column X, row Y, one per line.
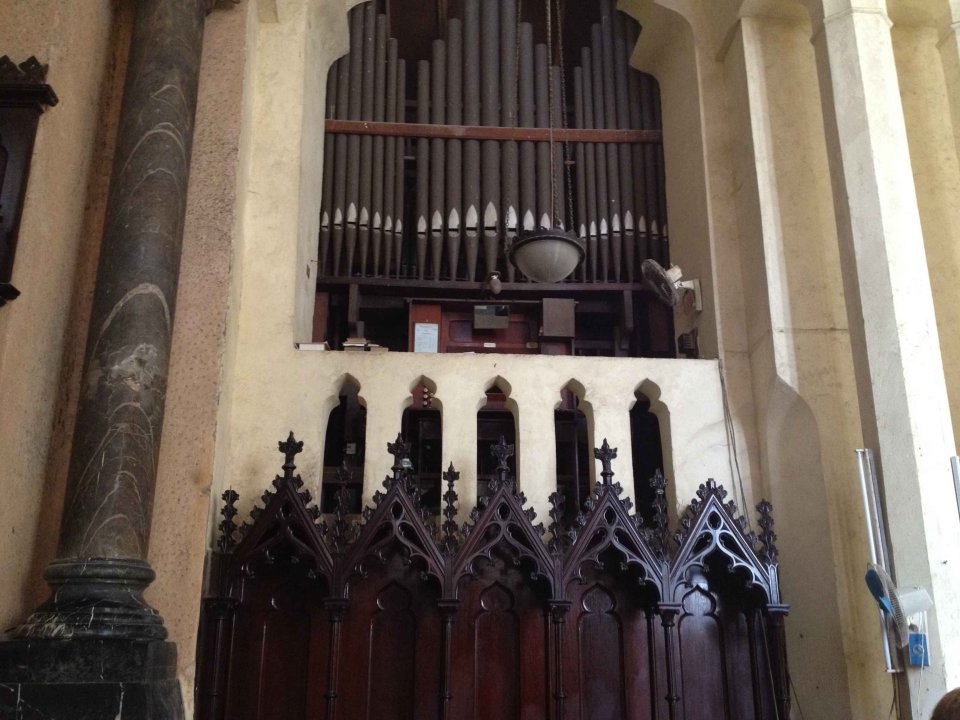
column 548, row 255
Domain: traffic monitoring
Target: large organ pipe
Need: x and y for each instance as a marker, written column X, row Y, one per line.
column 622, row 69
column 542, row 83
column 528, row 152
column 613, row 156
column 353, row 145
column 661, row 196
column 438, row 103
column 511, row 152
column 326, row 204
column 639, row 176
column 650, row 170
column 590, row 167
column 399, row 186
column 379, row 142
column 366, row 142
column 340, row 164
column 599, row 118
column 580, row 153
column 490, row 115
column 390, row 163
column 423, row 166
column 454, row 147
column 471, row 148
column 556, row 168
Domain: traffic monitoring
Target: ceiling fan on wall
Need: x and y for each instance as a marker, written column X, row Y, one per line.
column 668, row 285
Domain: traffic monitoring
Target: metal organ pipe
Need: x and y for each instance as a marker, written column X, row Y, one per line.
column 471, row 148
column 622, row 70
column 390, row 163
column 542, row 88
column 379, row 142
column 580, row 159
column 589, row 169
column 366, row 142
column 599, row 118
column 454, row 147
column 438, row 105
column 511, row 153
column 490, row 115
column 353, row 141
column 340, row 163
column 326, row 204
column 423, row 166
column 613, row 156
column 528, row 149
column 400, row 172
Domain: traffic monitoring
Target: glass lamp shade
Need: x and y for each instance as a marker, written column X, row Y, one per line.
column 548, row 255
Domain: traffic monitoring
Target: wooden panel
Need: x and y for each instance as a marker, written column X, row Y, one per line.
column 496, row 635
column 701, row 657
column 601, row 657
column 393, row 634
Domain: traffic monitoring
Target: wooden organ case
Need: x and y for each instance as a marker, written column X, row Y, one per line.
column 440, row 152
column 398, row 616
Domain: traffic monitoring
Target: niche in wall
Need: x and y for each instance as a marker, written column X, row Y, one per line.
column 344, row 449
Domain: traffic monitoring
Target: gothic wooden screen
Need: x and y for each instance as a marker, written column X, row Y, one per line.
column 399, row 617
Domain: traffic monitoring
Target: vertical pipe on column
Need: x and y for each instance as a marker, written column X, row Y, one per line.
column 329, row 141
column 423, row 166
column 599, row 118
column 490, row 114
column 340, row 161
column 353, row 142
column 590, row 168
column 471, row 148
column 400, row 184
column 366, row 142
column 511, row 151
column 613, row 153
column 558, row 176
column 528, row 149
column 661, row 179
column 650, row 169
column 542, row 81
column 622, row 69
column 390, row 163
column 639, row 173
column 379, row 142
column 580, row 154
column 454, row 147
column 438, row 102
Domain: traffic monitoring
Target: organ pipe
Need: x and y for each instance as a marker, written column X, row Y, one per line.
column 471, row 194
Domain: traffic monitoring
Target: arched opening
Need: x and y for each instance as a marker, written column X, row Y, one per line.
column 647, row 445
column 344, row 450
column 422, row 427
column 495, row 419
column 573, row 451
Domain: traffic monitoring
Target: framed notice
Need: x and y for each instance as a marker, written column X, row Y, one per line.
column 426, row 337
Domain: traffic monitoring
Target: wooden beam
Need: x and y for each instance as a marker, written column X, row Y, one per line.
column 471, row 132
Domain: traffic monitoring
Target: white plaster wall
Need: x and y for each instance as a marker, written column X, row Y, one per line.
column 802, row 368
column 73, row 37
column 936, row 174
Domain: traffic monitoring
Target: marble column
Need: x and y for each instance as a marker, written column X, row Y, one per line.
column 95, row 632
column 896, row 349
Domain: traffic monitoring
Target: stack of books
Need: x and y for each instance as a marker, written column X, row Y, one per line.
column 355, row 344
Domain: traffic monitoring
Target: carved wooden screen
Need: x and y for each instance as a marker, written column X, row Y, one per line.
column 399, row 618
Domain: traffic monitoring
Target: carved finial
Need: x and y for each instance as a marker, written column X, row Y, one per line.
column 342, row 531
column 228, row 527
column 605, row 454
column 290, row 448
column 502, row 452
column 768, row 538
column 400, row 449
column 661, row 530
column 561, row 536
column 449, row 542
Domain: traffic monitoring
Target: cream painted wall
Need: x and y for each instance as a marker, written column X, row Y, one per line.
column 804, row 385
column 936, row 173
column 73, row 37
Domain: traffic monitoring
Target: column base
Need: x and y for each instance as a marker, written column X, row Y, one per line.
column 89, row 679
column 96, row 598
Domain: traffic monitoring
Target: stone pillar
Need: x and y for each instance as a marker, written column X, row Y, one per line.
column 900, row 378
column 95, row 632
column 950, row 56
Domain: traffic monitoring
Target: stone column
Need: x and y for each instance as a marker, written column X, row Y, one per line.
column 101, row 572
column 900, row 376
column 950, row 56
